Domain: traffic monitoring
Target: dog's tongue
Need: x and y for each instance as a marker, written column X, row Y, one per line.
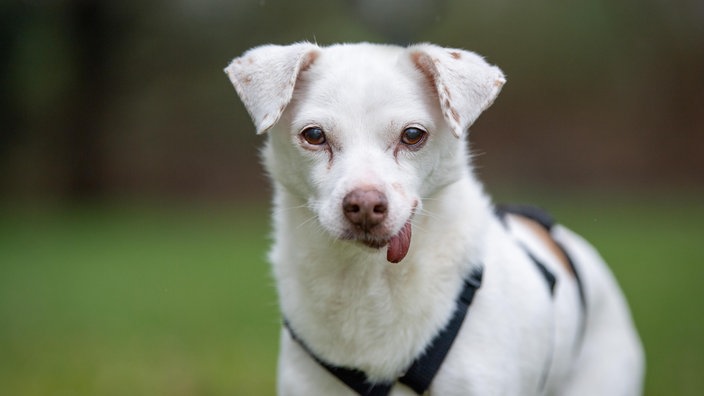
column 399, row 244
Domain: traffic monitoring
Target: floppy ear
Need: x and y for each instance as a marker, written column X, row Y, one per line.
column 265, row 76
column 465, row 83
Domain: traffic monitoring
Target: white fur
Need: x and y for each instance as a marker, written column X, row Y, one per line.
column 355, row 309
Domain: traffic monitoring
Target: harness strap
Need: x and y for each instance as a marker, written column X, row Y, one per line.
column 549, row 277
column 425, row 367
column 546, row 221
column 355, row 379
column 421, row 372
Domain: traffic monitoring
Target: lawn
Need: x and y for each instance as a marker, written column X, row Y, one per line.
column 177, row 299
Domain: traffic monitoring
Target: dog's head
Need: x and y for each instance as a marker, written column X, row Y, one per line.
column 364, row 133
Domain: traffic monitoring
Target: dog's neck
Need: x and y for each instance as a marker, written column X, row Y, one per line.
column 355, row 309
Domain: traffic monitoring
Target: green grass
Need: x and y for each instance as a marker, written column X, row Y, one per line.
column 177, row 300
column 136, row 302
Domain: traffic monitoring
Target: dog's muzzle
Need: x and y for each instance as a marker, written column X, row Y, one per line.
column 366, row 210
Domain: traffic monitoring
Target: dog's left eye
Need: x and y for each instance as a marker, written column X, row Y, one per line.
column 314, row 136
column 413, row 136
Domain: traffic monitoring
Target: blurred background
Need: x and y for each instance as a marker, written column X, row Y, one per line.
column 134, row 210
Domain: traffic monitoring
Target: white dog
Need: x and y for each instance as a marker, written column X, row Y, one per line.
column 394, row 272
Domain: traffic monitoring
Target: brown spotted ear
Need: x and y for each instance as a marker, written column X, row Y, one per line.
column 265, row 76
column 465, row 83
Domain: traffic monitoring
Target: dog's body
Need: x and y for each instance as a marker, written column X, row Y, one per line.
column 366, row 146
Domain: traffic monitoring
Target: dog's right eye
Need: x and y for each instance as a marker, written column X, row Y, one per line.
column 314, row 136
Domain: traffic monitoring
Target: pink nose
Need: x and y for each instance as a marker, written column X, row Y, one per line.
column 365, row 208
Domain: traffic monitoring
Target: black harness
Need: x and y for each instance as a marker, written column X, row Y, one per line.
column 546, row 221
column 421, row 372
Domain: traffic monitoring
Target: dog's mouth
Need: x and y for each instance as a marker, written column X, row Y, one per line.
column 396, row 247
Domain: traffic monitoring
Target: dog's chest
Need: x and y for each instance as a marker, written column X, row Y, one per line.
column 369, row 322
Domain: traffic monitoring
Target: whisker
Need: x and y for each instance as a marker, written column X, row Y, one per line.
column 427, row 213
column 308, row 220
column 289, row 208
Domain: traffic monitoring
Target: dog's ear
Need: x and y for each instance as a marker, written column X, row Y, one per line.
column 265, row 76
column 464, row 82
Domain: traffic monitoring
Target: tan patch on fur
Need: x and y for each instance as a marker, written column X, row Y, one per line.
column 420, row 60
column 546, row 239
column 455, row 55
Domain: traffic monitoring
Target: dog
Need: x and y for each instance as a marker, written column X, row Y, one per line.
column 385, row 241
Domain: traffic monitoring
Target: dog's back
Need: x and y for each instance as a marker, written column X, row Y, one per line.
column 599, row 353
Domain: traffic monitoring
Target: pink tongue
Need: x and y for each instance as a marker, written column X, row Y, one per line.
column 399, row 244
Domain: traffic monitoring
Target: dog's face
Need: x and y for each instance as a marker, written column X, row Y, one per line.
column 364, row 133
